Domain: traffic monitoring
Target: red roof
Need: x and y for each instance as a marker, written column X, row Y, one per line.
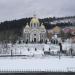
column 66, row 30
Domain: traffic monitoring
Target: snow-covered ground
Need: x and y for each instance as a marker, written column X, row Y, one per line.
column 36, row 61
column 29, row 49
column 47, row 64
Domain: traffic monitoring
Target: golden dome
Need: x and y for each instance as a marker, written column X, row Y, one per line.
column 34, row 20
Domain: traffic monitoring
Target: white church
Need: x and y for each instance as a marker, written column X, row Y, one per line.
column 34, row 32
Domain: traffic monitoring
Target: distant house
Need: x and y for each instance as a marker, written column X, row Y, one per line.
column 73, row 39
column 56, row 30
column 70, row 30
column 73, row 34
column 67, row 30
column 70, row 33
column 73, row 31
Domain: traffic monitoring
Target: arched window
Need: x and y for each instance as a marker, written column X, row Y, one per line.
column 41, row 40
column 34, row 34
column 34, row 24
column 42, row 35
column 27, row 35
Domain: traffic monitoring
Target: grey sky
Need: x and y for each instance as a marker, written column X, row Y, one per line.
column 16, row 9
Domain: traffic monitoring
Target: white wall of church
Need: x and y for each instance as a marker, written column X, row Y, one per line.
column 34, row 32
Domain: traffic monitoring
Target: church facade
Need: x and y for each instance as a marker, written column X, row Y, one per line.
column 34, row 32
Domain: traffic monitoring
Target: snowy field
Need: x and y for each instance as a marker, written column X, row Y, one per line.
column 35, row 60
column 46, row 64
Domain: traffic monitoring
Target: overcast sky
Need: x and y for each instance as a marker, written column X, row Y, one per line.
column 16, row 9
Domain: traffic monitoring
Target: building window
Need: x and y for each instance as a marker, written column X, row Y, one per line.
column 27, row 36
column 34, row 25
column 34, row 34
column 41, row 40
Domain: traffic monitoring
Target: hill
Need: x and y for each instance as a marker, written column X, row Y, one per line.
column 12, row 30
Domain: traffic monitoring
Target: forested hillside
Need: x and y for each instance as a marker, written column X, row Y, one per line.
column 12, row 30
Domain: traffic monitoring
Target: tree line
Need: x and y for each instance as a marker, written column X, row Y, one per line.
column 12, row 30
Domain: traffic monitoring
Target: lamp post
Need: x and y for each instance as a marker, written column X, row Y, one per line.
column 60, row 49
column 71, row 50
column 11, row 53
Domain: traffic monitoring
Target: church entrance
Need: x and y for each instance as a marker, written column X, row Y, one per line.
column 34, row 39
